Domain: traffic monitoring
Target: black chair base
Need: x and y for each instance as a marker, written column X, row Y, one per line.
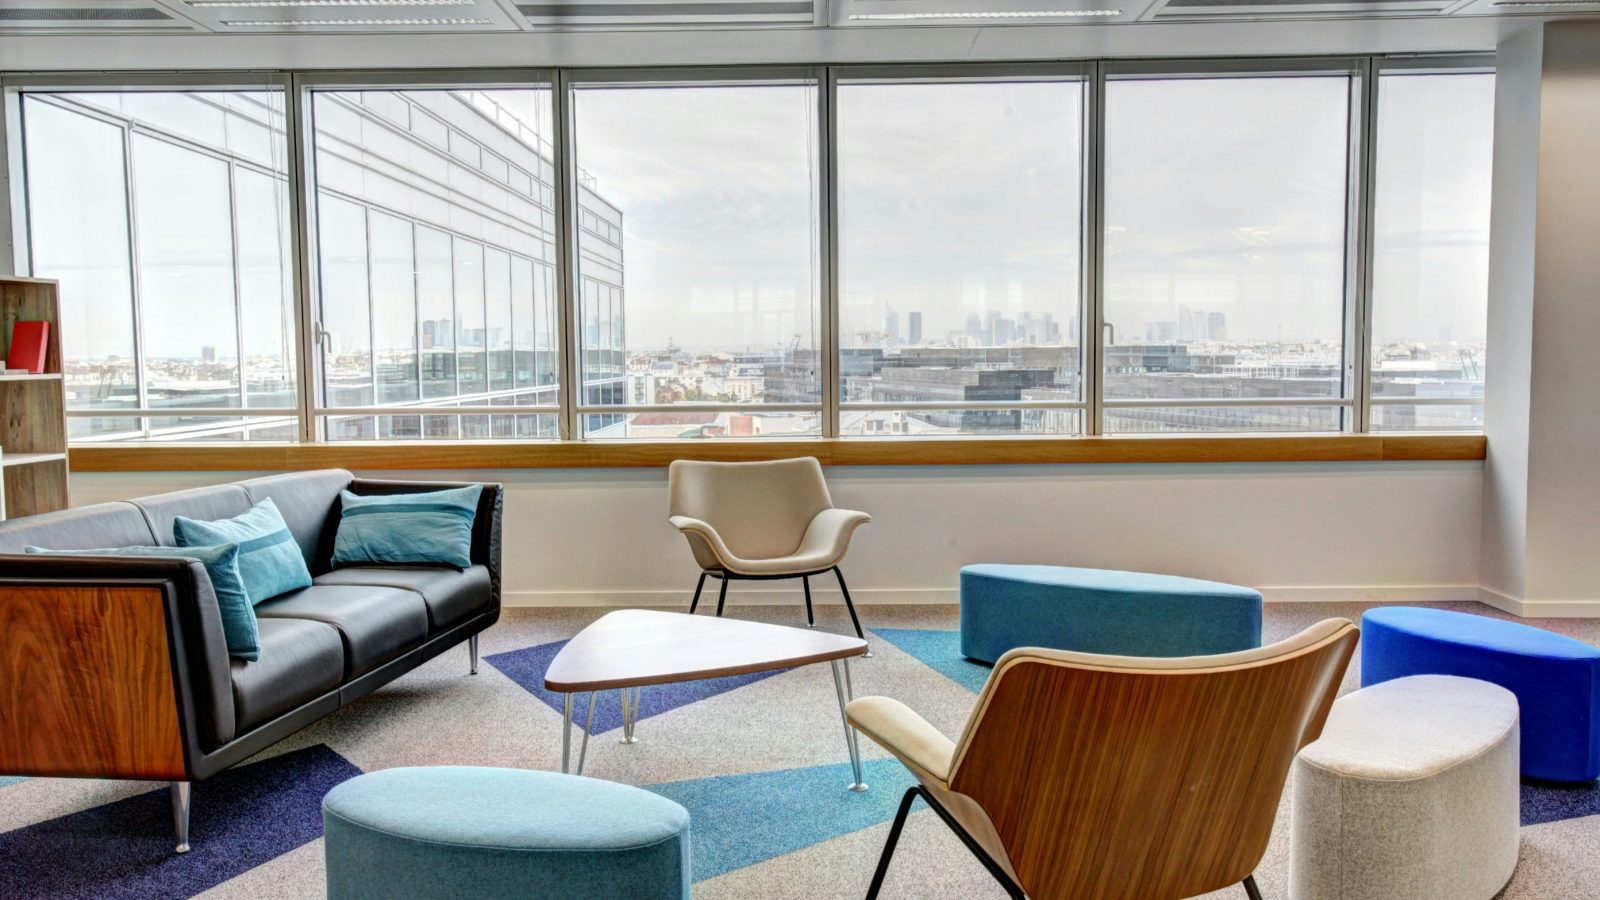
column 1012, row 889
column 805, row 580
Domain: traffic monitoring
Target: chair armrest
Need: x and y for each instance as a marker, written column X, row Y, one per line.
column 699, row 529
column 899, row 730
column 92, row 641
column 829, row 533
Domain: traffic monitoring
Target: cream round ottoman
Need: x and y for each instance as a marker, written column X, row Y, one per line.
column 1412, row 791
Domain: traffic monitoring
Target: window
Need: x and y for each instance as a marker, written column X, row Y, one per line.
column 165, row 216
column 698, row 255
column 1430, row 273
column 1225, row 231
column 427, row 267
column 960, row 245
column 899, row 251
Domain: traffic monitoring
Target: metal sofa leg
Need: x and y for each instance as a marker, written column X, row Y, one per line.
column 181, row 791
column 472, row 653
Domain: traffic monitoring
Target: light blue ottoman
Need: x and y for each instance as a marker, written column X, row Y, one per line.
column 1102, row 611
column 497, row 834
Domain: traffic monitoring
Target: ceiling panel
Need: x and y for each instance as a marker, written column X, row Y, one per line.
column 376, row 16
column 668, row 13
column 985, row 12
column 72, row 16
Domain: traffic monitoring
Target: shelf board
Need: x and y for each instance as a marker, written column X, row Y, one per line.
column 7, row 460
column 47, row 376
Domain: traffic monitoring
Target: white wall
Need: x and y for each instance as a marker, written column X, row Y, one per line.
column 1393, row 531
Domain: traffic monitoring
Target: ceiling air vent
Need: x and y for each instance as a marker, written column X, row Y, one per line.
column 61, row 14
column 598, row 13
column 1192, row 10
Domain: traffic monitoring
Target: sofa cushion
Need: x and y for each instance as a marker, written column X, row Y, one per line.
column 376, row 623
column 300, row 661
column 451, row 596
column 218, row 501
column 401, row 529
column 116, row 524
column 308, row 503
column 269, row 560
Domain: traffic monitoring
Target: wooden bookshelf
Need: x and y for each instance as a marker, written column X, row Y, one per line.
column 33, row 421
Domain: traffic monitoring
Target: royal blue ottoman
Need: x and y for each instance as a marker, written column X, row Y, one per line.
column 498, row 834
column 1556, row 679
column 1102, row 611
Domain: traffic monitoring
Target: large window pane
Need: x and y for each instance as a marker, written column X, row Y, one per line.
column 165, row 216
column 1225, row 247
column 347, row 305
column 456, row 189
column 960, row 207
column 1430, row 275
column 709, row 192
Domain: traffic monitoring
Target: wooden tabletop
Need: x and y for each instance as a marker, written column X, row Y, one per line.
column 637, row 647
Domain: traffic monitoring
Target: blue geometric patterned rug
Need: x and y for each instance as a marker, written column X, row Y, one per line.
column 242, row 818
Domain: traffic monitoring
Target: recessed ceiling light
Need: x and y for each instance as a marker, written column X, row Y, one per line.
column 346, row 23
column 289, row 4
column 1505, row 4
column 995, row 14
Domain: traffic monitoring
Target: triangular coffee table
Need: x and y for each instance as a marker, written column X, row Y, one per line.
column 631, row 649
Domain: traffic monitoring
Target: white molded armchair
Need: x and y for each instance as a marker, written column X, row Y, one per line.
column 761, row 520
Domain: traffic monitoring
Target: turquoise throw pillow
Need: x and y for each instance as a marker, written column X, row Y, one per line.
column 432, row 527
column 269, row 559
column 222, row 564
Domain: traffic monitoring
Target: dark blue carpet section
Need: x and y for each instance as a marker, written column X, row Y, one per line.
column 240, row 819
column 740, row 820
column 1543, row 802
column 527, row 667
column 940, row 651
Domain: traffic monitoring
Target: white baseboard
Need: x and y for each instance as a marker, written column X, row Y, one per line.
column 1540, row 609
column 747, row 594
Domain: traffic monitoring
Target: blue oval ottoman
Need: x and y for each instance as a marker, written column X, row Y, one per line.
column 496, row 834
column 1556, row 679
column 1102, row 611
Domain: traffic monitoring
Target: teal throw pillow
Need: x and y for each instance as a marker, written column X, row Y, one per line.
column 269, row 559
column 431, row 527
column 222, row 564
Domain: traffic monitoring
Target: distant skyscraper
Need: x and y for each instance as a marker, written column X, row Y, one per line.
column 891, row 326
column 1216, row 326
column 915, row 321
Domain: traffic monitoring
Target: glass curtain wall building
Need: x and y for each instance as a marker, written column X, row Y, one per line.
column 1050, row 250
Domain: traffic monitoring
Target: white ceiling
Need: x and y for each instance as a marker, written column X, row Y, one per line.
column 291, row 17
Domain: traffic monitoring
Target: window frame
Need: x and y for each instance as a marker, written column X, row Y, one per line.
column 298, row 86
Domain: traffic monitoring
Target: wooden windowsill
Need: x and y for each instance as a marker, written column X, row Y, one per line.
column 836, row 452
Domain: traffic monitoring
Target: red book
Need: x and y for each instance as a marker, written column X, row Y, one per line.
column 28, row 343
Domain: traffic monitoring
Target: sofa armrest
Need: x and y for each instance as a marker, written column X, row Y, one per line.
column 485, row 524
column 112, row 667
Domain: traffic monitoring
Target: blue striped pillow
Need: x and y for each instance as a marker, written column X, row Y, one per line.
column 269, row 559
column 431, row 527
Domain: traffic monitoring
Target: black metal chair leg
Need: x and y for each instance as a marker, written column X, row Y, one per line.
column 1250, row 887
column 889, row 845
column 847, row 604
column 722, row 595
column 805, row 581
column 693, row 604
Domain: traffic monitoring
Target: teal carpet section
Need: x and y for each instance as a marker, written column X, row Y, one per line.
column 6, row 780
column 940, row 651
column 740, row 820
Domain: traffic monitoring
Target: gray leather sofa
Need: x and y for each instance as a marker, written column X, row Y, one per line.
column 95, row 652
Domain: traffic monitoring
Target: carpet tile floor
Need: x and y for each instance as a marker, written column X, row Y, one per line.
column 759, row 761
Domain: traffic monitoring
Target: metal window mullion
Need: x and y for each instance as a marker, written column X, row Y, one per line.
column 1363, row 185
column 565, row 171
column 372, row 309
column 1091, row 318
column 238, row 281
column 301, row 160
column 828, row 195
column 135, row 286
